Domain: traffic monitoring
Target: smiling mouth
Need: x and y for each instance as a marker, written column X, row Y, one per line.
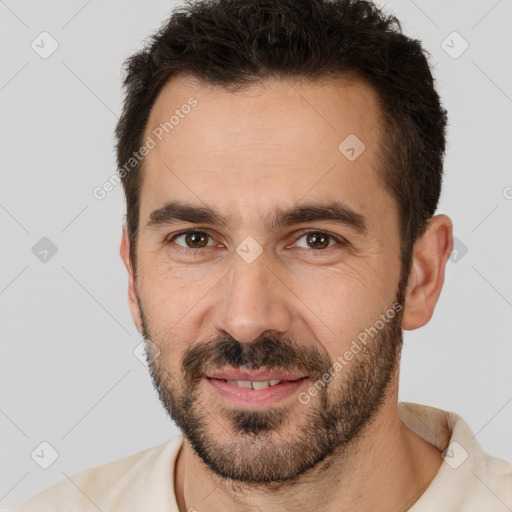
column 257, row 384
column 256, row 392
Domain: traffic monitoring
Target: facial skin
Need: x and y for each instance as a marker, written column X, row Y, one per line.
column 297, row 306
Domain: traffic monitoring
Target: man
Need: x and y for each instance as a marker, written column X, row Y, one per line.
column 282, row 163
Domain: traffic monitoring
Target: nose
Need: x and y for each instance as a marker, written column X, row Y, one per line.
column 253, row 301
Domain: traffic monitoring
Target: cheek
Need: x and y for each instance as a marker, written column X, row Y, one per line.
column 168, row 303
column 171, row 290
column 347, row 289
column 339, row 305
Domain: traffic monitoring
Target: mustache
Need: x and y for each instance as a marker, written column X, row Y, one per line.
column 271, row 353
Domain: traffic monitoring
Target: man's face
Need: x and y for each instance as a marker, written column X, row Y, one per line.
column 266, row 296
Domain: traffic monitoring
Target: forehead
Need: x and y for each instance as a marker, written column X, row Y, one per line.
column 277, row 110
column 270, row 142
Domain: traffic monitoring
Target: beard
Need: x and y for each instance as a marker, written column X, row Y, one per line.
column 281, row 443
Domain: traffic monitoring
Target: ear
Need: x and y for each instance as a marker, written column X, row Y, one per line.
column 132, row 282
column 430, row 254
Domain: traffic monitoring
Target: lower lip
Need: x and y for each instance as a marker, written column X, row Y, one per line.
column 255, row 398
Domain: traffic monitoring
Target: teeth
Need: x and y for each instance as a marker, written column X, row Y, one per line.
column 243, row 383
column 253, row 384
column 260, row 385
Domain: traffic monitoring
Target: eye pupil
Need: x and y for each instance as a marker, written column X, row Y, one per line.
column 196, row 239
column 318, row 240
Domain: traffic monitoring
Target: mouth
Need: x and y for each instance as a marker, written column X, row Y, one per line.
column 254, row 389
column 256, row 384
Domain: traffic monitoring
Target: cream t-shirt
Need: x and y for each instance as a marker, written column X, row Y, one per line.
column 469, row 480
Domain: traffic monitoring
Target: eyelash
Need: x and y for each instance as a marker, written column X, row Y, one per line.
column 316, row 252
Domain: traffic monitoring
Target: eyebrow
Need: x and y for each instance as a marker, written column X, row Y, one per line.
column 335, row 211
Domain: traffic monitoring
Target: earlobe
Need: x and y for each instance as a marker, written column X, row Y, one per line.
column 431, row 252
column 133, row 302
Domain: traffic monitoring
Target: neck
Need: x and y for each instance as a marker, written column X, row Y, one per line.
column 387, row 468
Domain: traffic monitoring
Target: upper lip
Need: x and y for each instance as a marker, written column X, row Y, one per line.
column 254, row 375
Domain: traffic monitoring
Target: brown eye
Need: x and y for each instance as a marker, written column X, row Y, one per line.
column 317, row 240
column 192, row 239
column 196, row 239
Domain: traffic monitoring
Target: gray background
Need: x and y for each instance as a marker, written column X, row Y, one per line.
column 68, row 372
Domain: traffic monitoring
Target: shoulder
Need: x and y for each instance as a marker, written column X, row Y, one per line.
column 469, row 478
column 494, row 476
column 107, row 486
